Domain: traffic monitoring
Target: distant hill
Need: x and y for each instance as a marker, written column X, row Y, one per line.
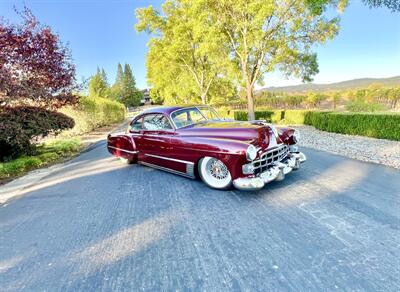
column 349, row 84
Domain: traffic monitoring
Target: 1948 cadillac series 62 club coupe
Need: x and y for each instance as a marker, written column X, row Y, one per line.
column 193, row 141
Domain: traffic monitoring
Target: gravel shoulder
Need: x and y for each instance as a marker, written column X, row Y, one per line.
column 367, row 149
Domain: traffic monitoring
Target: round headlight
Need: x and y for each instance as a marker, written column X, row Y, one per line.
column 296, row 136
column 251, row 152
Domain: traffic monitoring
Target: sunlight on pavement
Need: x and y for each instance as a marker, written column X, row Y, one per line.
column 125, row 243
column 337, row 179
column 100, row 166
column 10, row 263
column 341, row 177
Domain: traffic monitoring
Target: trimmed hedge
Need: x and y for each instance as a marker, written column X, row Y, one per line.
column 225, row 112
column 294, row 117
column 271, row 116
column 91, row 113
column 376, row 125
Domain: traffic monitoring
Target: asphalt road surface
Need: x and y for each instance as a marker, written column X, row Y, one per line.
column 99, row 225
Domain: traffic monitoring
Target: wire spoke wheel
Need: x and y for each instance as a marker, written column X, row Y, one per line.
column 215, row 173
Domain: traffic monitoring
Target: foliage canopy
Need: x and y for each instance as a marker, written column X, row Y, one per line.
column 200, row 44
column 185, row 62
column 35, row 67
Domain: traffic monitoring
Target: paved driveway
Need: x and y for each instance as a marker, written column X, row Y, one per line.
column 97, row 224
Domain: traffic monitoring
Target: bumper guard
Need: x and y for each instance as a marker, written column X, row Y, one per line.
column 276, row 172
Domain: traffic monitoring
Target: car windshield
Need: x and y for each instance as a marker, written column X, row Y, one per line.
column 193, row 115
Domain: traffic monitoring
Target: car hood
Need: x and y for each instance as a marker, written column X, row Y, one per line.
column 252, row 132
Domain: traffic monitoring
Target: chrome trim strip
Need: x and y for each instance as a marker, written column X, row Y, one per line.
column 166, row 169
column 171, row 159
column 159, row 135
column 123, row 150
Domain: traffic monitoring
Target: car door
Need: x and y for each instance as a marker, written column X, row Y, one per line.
column 155, row 142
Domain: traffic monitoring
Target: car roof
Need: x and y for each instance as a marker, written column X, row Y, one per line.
column 166, row 109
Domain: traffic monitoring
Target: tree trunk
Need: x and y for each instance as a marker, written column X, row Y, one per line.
column 203, row 97
column 250, row 102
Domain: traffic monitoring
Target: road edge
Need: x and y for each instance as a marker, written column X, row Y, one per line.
column 14, row 187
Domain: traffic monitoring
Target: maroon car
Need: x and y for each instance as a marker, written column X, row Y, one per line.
column 193, row 141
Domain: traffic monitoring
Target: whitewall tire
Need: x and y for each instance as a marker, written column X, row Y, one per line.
column 214, row 173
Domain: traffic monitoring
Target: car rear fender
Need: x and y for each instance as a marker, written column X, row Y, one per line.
column 121, row 145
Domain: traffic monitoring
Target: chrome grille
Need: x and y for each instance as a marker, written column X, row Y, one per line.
column 269, row 157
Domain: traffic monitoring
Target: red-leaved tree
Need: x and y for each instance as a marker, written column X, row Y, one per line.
column 35, row 67
column 37, row 76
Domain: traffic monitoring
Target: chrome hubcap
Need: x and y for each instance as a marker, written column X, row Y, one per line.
column 215, row 173
column 218, row 169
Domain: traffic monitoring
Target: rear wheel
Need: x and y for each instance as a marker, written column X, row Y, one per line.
column 215, row 173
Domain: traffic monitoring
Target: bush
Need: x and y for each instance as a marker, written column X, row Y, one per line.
column 363, row 106
column 274, row 116
column 294, row 117
column 225, row 112
column 240, row 115
column 92, row 113
column 19, row 126
column 271, row 116
column 377, row 125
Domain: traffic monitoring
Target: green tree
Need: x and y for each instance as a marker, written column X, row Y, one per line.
column 120, row 74
column 116, row 89
column 156, row 97
column 186, row 59
column 131, row 96
column 314, row 99
column 265, row 35
column 394, row 96
column 393, row 5
column 98, row 86
column 335, row 100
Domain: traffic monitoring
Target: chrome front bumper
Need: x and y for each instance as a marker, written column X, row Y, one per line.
column 276, row 172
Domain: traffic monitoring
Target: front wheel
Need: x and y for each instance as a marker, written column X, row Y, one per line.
column 215, row 173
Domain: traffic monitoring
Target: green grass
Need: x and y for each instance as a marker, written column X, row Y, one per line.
column 46, row 153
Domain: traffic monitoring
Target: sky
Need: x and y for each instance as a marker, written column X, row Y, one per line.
column 101, row 33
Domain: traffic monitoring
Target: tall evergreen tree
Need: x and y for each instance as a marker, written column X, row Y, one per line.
column 131, row 96
column 120, row 74
column 98, row 86
column 116, row 89
column 104, row 76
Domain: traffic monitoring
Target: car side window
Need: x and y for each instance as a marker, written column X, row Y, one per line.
column 156, row 122
column 136, row 125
